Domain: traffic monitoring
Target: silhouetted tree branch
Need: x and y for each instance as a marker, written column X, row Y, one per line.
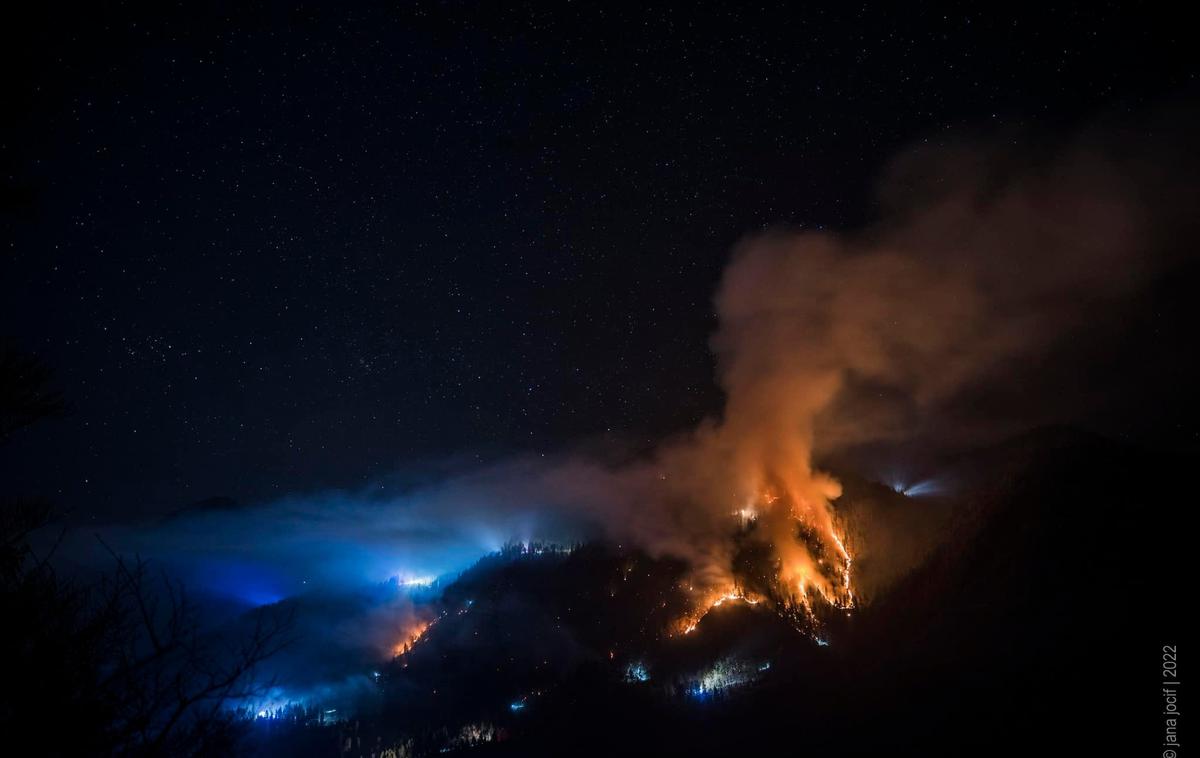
column 119, row 666
column 172, row 684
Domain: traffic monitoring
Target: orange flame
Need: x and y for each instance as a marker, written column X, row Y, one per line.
column 411, row 635
column 712, row 600
column 806, row 570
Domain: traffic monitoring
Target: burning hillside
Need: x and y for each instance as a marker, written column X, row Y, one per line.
column 538, row 650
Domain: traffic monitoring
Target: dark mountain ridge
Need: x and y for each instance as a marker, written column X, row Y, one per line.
column 1020, row 626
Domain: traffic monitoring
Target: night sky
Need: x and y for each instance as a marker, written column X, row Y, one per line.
column 276, row 249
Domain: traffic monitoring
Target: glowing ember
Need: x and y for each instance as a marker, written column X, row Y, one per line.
column 848, row 562
column 688, row 624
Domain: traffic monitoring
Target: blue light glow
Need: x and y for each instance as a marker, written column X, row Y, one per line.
column 415, row 581
column 248, row 583
column 725, row 674
column 636, row 672
column 923, row 488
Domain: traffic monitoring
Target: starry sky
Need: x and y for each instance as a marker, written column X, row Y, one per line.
column 276, row 248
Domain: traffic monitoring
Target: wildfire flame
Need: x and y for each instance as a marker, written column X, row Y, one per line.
column 411, row 635
column 814, row 561
column 688, row 623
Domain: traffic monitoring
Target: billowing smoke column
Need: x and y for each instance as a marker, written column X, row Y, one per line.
column 991, row 260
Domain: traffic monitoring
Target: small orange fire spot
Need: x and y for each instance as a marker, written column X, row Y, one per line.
column 410, row 637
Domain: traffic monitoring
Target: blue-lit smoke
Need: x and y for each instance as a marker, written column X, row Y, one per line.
column 245, row 582
column 922, row 488
column 261, row 554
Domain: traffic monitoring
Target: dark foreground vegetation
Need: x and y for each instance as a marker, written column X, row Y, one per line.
column 119, row 664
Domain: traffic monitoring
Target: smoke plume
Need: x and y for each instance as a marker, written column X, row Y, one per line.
column 976, row 305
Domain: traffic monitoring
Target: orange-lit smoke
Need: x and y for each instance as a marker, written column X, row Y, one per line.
column 986, row 260
column 966, row 313
column 939, row 324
